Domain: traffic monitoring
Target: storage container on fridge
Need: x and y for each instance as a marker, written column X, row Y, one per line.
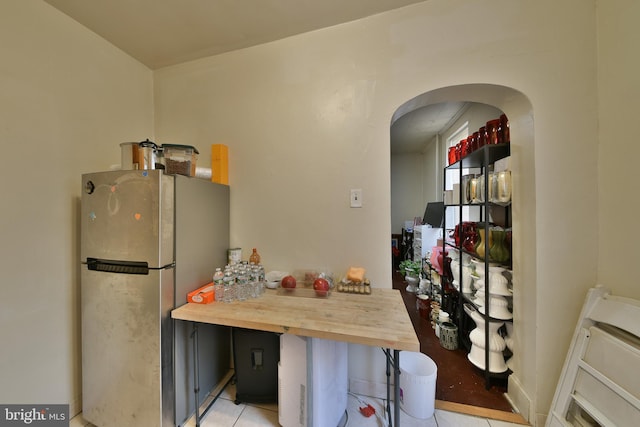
column 180, row 159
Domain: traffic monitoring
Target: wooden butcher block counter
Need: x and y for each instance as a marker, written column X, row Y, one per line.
column 379, row 319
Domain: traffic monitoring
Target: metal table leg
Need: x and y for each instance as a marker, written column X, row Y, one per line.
column 396, row 386
column 388, row 355
column 395, row 362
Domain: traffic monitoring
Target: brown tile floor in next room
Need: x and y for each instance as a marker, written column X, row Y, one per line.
column 458, row 380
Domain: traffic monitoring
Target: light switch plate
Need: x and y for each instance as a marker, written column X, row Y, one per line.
column 356, row 198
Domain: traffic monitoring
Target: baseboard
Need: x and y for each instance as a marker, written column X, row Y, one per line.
column 75, row 406
column 518, row 398
column 476, row 411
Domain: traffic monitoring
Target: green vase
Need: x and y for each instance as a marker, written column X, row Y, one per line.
column 498, row 251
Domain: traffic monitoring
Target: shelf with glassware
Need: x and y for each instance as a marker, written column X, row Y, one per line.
column 478, row 255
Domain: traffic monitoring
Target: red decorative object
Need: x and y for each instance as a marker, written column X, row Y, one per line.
column 367, row 411
column 493, row 132
column 504, row 124
column 452, row 155
column 473, row 141
column 464, row 150
column 321, row 286
column 466, row 233
column 288, row 282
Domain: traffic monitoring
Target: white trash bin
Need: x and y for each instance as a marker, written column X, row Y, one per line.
column 417, row 384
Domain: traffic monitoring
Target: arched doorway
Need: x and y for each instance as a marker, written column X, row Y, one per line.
column 519, row 110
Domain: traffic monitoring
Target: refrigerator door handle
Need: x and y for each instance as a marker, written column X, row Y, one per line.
column 117, row 266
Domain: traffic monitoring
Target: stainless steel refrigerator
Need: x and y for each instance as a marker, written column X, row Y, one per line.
column 147, row 239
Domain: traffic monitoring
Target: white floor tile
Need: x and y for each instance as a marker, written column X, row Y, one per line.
column 498, row 423
column 223, row 413
column 267, row 406
column 229, row 392
column 253, row 416
column 454, row 419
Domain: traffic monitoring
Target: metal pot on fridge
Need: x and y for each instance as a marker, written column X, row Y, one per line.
column 139, row 155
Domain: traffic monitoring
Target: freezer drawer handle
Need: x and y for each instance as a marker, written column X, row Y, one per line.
column 111, row 266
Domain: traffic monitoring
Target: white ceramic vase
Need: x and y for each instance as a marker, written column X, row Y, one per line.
column 498, row 308
column 455, row 270
column 496, row 344
column 412, row 283
column 498, row 284
column 467, row 279
column 496, row 360
column 509, row 339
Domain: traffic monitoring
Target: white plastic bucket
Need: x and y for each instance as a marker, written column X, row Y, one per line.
column 417, row 384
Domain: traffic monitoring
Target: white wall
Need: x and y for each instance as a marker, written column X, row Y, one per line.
column 617, row 191
column 407, row 189
column 67, row 99
column 307, row 118
column 432, row 173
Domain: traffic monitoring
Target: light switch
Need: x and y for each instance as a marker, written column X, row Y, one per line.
column 356, row 198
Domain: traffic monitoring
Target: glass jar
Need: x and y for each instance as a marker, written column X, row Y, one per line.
column 493, row 136
column 504, row 186
column 504, row 124
column 465, row 188
column 473, row 189
column 473, row 146
column 482, row 136
column 464, row 150
column 476, row 140
column 479, row 196
column 493, row 187
column 451, row 155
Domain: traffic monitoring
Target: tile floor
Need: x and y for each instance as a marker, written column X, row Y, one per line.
column 225, row 413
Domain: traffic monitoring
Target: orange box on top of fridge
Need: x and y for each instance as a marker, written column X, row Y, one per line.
column 202, row 295
column 220, row 164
